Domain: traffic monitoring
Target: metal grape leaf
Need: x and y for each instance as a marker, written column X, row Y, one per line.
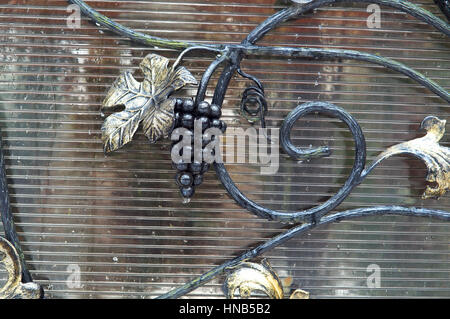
column 145, row 102
column 250, row 276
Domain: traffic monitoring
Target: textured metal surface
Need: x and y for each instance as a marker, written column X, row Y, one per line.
column 120, row 218
column 248, row 278
column 426, row 148
column 13, row 287
column 145, row 102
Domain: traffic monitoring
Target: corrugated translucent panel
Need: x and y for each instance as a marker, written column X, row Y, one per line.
column 120, row 219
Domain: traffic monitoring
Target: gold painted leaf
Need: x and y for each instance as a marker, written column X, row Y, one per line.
column 159, row 77
column 159, row 120
column 145, row 102
column 13, row 288
column 125, row 91
column 119, row 128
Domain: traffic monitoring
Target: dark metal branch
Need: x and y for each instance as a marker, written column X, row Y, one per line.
column 331, row 54
column 275, row 20
column 289, row 13
column 135, row 36
column 7, row 217
column 297, row 230
column 190, row 49
column 203, row 86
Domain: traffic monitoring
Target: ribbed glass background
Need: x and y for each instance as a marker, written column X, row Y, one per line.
column 120, row 219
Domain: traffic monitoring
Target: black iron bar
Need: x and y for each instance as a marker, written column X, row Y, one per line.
column 7, row 217
column 297, row 230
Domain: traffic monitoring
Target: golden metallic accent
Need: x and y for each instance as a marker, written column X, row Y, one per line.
column 14, row 288
column 427, row 148
column 250, row 276
column 299, row 294
column 147, row 102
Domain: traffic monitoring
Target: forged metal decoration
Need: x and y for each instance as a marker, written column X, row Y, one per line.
column 247, row 277
column 230, row 56
column 14, row 288
column 149, row 103
column 19, row 283
column 427, row 148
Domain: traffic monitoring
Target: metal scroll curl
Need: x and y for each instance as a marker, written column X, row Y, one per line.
column 357, row 174
column 13, row 287
column 426, row 148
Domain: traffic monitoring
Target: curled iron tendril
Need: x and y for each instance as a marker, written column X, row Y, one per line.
column 253, row 96
column 283, row 15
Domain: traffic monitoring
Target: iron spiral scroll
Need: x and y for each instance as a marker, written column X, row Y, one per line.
column 229, row 56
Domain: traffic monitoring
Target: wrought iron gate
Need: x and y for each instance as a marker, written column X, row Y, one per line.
column 105, row 226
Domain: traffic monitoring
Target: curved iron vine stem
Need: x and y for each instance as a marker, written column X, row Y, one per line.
column 281, row 16
column 232, row 55
column 316, row 212
column 284, row 237
column 351, row 55
column 295, row 11
column 355, row 177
